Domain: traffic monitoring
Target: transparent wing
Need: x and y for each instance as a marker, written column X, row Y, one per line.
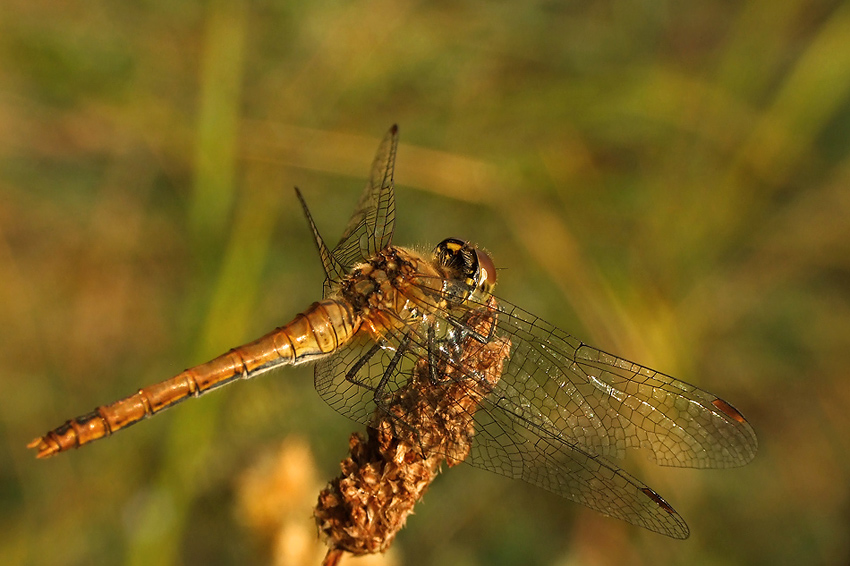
column 371, row 226
column 507, row 444
column 355, row 399
column 607, row 404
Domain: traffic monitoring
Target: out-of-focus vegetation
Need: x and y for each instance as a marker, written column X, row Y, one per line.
column 670, row 181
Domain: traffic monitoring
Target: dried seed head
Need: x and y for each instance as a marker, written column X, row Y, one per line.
column 425, row 422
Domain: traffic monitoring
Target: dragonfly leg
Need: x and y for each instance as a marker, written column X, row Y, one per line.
column 380, row 389
column 467, row 331
column 381, row 395
column 434, row 345
column 454, row 350
column 351, row 374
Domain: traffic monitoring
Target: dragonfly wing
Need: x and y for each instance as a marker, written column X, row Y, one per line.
column 371, row 226
column 605, row 404
column 355, row 397
column 507, row 444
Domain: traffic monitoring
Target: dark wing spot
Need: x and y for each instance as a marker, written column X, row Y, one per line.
column 659, row 500
column 729, row 410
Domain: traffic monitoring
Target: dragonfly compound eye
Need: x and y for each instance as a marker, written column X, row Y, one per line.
column 486, row 276
column 466, row 263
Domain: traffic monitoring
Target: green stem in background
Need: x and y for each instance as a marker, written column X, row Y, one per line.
column 162, row 521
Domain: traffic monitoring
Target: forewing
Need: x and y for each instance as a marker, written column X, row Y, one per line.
column 371, row 226
column 605, row 404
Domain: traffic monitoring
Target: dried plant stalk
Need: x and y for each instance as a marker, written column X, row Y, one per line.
column 421, row 425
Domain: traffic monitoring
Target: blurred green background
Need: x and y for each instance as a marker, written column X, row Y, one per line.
column 666, row 180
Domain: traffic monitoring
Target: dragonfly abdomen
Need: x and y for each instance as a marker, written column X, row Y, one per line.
column 318, row 331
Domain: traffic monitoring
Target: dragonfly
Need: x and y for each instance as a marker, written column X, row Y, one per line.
column 560, row 416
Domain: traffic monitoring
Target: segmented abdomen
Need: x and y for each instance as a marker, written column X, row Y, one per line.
column 320, row 330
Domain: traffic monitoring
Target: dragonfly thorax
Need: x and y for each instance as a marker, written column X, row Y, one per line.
column 383, row 291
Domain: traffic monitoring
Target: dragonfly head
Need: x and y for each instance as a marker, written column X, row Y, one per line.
column 466, row 263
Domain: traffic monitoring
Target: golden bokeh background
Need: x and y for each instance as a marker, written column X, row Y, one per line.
column 669, row 181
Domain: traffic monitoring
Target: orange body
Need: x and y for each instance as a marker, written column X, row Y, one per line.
column 318, row 331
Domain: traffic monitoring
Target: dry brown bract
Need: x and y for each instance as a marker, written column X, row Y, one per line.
column 422, row 424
